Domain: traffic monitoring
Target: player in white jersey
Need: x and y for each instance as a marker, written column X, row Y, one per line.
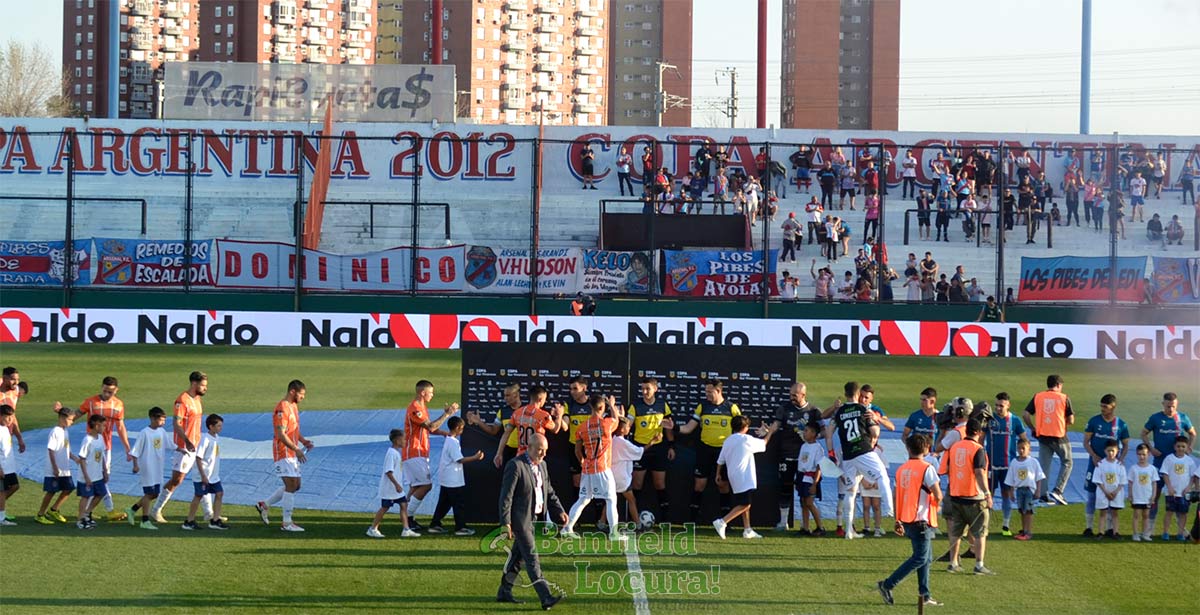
column 149, row 460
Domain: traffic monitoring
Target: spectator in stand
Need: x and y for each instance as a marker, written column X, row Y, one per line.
column 1116, row 211
column 815, row 212
column 779, row 178
column 845, row 288
column 720, row 191
column 863, row 292
column 1174, row 231
column 924, row 203
column 1048, row 188
column 1187, row 180
column 870, row 182
column 1039, row 189
column 838, row 159
column 1009, row 299
column 861, row 263
column 865, row 160
column 886, row 294
column 960, row 274
column 788, row 286
column 1137, row 196
column 985, row 219
column 1098, row 211
column 929, row 267
column 985, row 173
column 969, row 207
column 827, row 178
column 910, row 265
column 1159, row 173
column 1154, row 231
column 1008, row 207
column 913, row 284
column 830, row 246
column 649, row 168
column 801, row 161
column 844, row 235
column 1023, row 164
column 943, row 217
column 760, row 163
column 702, row 164
column 721, row 157
column 1071, row 192
column 792, row 233
column 938, row 167
column 1090, row 192
column 871, row 207
column 975, row 294
column 928, row 289
column 588, row 158
column 849, row 185
column 1123, row 169
column 739, row 205
column 909, row 176
column 624, row 162
column 958, row 293
column 1055, row 215
column 942, row 289
column 822, row 281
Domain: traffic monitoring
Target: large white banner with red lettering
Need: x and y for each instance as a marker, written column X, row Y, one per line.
column 448, row 331
column 256, row 264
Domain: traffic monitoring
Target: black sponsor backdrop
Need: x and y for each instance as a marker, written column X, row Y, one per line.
column 755, row 378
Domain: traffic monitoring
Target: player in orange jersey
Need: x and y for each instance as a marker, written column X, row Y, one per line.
column 189, row 416
column 415, row 453
column 593, row 448
column 289, row 449
column 109, row 406
column 10, row 394
column 528, row 420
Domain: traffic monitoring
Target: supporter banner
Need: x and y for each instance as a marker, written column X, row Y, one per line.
column 448, row 331
column 718, row 273
column 43, row 263
column 607, row 272
column 506, row 271
column 1081, row 278
column 140, row 262
column 248, row 264
column 282, row 91
column 1176, row 280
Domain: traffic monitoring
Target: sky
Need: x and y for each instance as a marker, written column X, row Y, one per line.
column 973, row 65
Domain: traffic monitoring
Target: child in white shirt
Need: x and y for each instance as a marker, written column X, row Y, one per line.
column 149, row 459
column 624, row 453
column 808, row 483
column 1142, row 479
column 453, row 482
column 736, row 463
column 1025, row 473
column 391, row 492
column 58, row 470
column 208, row 465
column 1177, row 475
column 1109, row 477
column 94, row 485
column 8, row 463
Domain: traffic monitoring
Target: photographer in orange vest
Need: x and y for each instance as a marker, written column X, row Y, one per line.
column 966, row 464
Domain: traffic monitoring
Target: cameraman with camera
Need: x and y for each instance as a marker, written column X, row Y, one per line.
column 970, row 499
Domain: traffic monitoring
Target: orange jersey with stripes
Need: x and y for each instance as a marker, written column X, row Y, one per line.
column 416, row 437
column 189, row 413
column 528, row 420
column 113, row 410
column 596, row 436
column 288, row 417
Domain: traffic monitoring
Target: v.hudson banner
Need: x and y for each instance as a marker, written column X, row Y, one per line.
column 1081, row 278
column 449, row 331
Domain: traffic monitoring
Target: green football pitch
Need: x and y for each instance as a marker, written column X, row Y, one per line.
column 257, row 569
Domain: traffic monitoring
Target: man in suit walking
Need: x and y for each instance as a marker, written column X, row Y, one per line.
column 525, row 494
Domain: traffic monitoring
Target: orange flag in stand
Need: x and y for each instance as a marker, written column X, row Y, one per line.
column 315, row 214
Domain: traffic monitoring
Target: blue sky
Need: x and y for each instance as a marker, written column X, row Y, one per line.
column 974, row 65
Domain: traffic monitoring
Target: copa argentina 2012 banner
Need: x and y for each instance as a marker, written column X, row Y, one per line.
column 449, row 331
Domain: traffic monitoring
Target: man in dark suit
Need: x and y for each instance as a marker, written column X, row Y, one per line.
column 526, row 495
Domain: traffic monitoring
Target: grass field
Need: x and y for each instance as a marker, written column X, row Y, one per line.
column 257, row 569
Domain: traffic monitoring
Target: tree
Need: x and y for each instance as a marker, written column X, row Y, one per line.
column 31, row 84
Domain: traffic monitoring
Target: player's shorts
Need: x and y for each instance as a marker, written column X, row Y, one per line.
column 621, row 481
column 741, row 499
column 1025, row 500
column 54, row 484
column 809, row 490
column 787, row 473
column 576, row 464
column 9, row 481
column 288, row 467
column 203, row 489
column 844, row 481
column 387, row 504
column 1177, row 505
column 182, row 461
column 599, row 486
column 152, row 490
column 416, row 471
column 1088, row 485
column 706, row 461
column 95, row 490
column 1141, row 506
column 870, row 467
column 967, row 515
column 997, row 476
column 654, row 458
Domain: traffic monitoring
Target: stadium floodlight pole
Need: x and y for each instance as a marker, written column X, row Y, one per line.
column 1001, row 229
column 761, row 102
column 764, row 204
column 660, row 94
column 1085, row 69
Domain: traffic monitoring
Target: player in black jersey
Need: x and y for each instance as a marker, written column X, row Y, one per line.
column 790, row 420
column 857, row 433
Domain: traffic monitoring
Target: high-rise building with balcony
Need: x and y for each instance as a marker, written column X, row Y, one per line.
column 389, row 37
column 288, row 31
column 644, row 33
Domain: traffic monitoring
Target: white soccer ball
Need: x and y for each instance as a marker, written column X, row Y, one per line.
column 646, row 519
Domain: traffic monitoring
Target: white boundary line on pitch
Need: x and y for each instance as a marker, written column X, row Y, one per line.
column 641, row 604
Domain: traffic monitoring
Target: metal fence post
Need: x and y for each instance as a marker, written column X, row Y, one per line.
column 1001, row 224
column 298, row 215
column 416, row 215
column 187, row 216
column 69, row 232
column 764, row 206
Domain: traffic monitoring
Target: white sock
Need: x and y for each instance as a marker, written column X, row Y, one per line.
column 3, row 515
column 275, row 497
column 162, row 501
column 1091, row 521
column 108, row 503
column 413, row 505
column 576, row 510
column 783, row 515
column 287, row 502
column 206, row 503
column 610, row 506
